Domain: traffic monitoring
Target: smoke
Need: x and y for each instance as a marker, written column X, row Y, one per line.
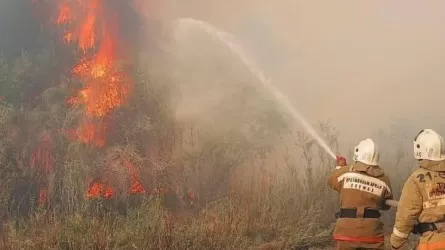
column 17, row 24
column 364, row 66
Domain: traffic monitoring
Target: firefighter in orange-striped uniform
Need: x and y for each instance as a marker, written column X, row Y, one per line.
column 363, row 189
column 421, row 207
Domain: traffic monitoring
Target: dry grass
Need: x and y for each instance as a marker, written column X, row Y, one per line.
column 240, row 202
column 259, row 221
column 274, row 217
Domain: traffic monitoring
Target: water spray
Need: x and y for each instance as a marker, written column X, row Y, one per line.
column 279, row 96
column 228, row 40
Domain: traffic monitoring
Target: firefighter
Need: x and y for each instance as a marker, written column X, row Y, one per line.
column 363, row 189
column 421, row 207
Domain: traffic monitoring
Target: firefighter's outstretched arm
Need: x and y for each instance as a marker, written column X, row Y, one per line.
column 340, row 169
column 388, row 195
column 410, row 206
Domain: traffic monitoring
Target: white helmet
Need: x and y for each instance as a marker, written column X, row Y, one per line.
column 428, row 145
column 367, row 152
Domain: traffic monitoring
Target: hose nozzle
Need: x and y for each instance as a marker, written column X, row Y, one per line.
column 341, row 161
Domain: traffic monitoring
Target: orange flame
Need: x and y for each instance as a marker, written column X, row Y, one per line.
column 87, row 34
column 105, row 86
column 68, row 36
column 136, row 187
column 65, row 14
column 97, row 190
column 91, row 133
column 92, row 27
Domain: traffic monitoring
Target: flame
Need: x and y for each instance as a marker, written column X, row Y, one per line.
column 68, row 37
column 136, row 187
column 97, row 190
column 91, row 133
column 92, row 26
column 87, row 34
column 106, row 87
column 65, row 14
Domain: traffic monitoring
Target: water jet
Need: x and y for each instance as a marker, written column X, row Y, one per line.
column 280, row 98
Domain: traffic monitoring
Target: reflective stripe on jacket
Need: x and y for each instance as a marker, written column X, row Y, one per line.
column 360, row 186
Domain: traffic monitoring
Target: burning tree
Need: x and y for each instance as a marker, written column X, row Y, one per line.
column 100, row 130
column 105, row 96
column 96, row 90
column 94, row 26
column 106, row 87
column 81, row 126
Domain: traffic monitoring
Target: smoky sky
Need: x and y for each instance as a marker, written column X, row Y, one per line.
column 363, row 65
column 20, row 28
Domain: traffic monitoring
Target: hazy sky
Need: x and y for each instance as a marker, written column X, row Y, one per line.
column 357, row 63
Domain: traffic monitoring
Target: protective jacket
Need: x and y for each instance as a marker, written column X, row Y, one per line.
column 363, row 190
column 422, row 207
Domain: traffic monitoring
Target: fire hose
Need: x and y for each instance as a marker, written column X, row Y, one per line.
column 392, row 203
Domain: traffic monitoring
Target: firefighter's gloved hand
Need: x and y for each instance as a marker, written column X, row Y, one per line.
column 341, row 161
column 397, row 242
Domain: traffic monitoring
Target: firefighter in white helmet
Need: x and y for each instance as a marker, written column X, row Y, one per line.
column 421, row 207
column 363, row 189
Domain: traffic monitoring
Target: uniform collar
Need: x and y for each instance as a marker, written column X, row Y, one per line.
column 374, row 171
column 432, row 165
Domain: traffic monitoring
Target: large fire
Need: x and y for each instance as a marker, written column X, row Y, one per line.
column 93, row 29
column 93, row 26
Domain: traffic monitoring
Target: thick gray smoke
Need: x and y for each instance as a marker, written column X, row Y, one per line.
column 364, row 65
